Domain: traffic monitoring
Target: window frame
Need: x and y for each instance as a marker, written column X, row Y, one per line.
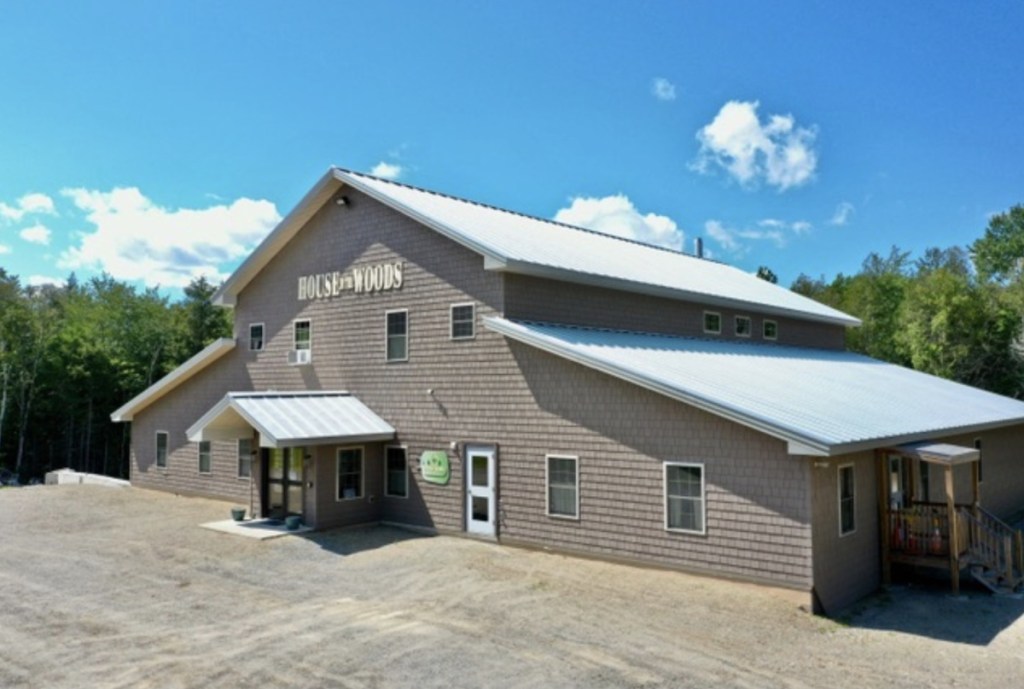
column 853, row 497
column 547, row 486
column 405, row 453
column 167, row 448
column 703, row 497
column 716, row 314
column 295, row 333
column 387, row 336
column 362, row 473
column 981, row 456
column 263, row 337
column 238, row 468
column 736, row 326
column 209, row 456
column 451, row 322
column 764, row 326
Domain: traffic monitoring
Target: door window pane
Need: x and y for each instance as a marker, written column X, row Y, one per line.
column 479, row 470
column 276, row 463
column 294, row 499
column 481, row 511
column 295, row 463
column 397, row 478
column 276, row 496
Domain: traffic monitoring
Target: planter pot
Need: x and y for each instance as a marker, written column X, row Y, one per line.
column 238, row 513
column 293, row 522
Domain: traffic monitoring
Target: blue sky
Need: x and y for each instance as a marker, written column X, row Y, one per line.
column 158, row 141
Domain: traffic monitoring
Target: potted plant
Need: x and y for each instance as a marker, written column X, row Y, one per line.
column 238, row 513
column 292, row 522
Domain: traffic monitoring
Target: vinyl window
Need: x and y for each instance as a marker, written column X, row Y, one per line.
column 245, row 458
column 770, row 330
column 684, row 497
column 397, row 335
column 563, row 483
column 350, row 473
column 396, row 472
column 204, row 456
column 712, row 323
column 161, row 448
column 463, row 317
column 303, row 334
column 847, row 500
column 743, row 326
column 256, row 337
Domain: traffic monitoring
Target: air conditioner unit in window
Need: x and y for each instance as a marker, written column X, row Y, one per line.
column 299, row 357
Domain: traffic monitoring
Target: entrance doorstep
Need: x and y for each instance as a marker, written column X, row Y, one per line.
column 260, row 529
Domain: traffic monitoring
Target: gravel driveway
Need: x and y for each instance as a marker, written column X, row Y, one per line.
column 106, row 587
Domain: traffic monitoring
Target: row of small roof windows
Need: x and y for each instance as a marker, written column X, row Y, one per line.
column 743, row 326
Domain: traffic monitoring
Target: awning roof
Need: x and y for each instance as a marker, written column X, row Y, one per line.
column 821, row 402
column 940, row 453
column 292, row 419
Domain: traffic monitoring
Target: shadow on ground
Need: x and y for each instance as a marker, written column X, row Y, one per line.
column 928, row 609
column 352, row 540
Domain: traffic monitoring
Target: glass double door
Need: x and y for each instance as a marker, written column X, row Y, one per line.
column 284, row 481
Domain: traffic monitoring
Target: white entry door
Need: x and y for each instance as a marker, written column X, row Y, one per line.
column 480, row 494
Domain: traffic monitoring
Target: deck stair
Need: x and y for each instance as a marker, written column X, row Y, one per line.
column 994, row 551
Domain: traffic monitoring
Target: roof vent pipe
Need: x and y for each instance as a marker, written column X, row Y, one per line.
column 698, row 247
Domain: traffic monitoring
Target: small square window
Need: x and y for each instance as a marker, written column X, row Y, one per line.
column 396, row 478
column 712, row 323
column 743, row 326
column 204, row 456
column 770, row 330
column 847, row 500
column 303, row 335
column 397, row 335
column 245, row 458
column 256, row 337
column 463, row 326
column 161, row 448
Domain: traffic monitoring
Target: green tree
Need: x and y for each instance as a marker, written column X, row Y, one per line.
column 999, row 253
column 767, row 274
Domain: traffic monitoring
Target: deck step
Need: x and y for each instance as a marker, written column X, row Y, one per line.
column 993, row 581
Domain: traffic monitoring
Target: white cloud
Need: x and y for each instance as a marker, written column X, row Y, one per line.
column 135, row 239
column 798, row 227
column 663, row 89
column 29, row 204
column 387, row 170
column 732, row 241
column 617, row 215
column 801, row 227
column 777, row 152
column 844, row 211
column 4, row 249
column 37, row 234
column 39, row 280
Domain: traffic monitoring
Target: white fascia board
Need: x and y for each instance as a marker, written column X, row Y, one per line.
column 215, row 350
column 806, row 445
column 338, row 440
column 594, row 280
column 895, row 440
column 325, row 187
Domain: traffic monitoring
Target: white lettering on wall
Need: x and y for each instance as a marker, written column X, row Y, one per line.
column 379, row 277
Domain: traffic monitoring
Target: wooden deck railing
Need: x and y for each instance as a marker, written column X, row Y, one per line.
column 994, row 544
column 923, row 529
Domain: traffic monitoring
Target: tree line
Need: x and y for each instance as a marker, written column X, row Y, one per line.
column 72, row 354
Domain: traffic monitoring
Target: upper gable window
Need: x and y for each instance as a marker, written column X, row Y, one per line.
column 397, row 344
column 743, row 326
column 255, row 337
column 712, row 323
column 463, row 321
column 770, row 330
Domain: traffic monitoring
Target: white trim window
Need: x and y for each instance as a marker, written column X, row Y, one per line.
column 770, row 330
column 684, row 497
column 349, row 484
column 161, row 449
column 847, row 500
column 245, row 458
column 302, row 334
column 563, row 486
column 463, row 321
column 396, row 472
column 256, row 337
column 397, row 330
column 205, row 456
column 712, row 323
column 743, row 326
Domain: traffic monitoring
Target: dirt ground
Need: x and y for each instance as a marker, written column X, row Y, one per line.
column 108, row 587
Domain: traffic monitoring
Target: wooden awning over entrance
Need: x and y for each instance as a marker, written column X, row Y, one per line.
column 938, row 453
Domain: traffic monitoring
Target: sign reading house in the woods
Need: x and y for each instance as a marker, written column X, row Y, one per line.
column 379, row 277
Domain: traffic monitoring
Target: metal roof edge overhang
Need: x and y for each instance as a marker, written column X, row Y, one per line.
column 797, row 443
column 894, row 441
column 211, row 353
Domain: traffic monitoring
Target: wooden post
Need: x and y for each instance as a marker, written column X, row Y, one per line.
column 954, row 536
column 883, row 516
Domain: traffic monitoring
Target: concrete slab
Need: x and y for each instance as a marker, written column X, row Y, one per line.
column 260, row 529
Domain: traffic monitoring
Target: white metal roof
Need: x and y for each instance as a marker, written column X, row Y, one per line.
column 941, row 453
column 197, row 363
column 519, row 243
column 822, row 402
column 291, row 419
